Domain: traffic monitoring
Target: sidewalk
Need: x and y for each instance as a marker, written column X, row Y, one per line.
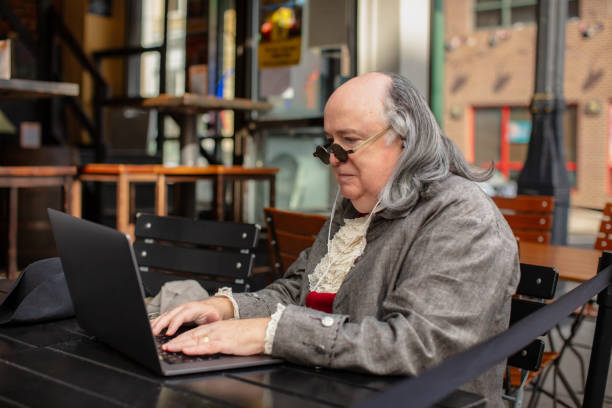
column 582, row 227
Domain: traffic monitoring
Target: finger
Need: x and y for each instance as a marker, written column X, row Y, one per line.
column 178, row 345
column 176, row 322
column 162, row 321
column 188, row 339
column 210, row 347
column 192, row 336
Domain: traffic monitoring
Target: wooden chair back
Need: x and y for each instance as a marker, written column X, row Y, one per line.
column 289, row 233
column 214, row 253
column 529, row 217
column 537, row 284
column 604, row 237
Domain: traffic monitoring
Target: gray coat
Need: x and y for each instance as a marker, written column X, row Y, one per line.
column 428, row 285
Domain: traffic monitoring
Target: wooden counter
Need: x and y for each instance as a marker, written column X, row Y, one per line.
column 16, row 177
column 125, row 175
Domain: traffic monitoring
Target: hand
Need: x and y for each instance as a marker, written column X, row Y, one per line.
column 239, row 337
column 204, row 311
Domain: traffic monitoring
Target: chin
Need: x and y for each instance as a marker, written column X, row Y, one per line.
column 349, row 192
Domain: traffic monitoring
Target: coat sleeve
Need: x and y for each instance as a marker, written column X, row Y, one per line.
column 286, row 290
column 453, row 286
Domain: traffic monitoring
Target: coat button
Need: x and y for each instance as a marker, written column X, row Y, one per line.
column 327, row 321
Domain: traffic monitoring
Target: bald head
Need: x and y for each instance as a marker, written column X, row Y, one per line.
column 362, row 95
column 354, row 115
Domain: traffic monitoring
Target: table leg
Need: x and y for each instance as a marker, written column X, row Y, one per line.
column 67, row 195
column 76, row 198
column 237, row 199
column 190, row 148
column 123, row 203
column 12, row 233
column 219, row 198
column 272, row 192
column 161, row 196
column 132, row 201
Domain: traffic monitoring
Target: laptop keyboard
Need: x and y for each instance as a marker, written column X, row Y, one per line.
column 178, row 357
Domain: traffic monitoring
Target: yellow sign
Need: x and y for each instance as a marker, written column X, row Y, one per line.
column 280, row 53
column 280, row 41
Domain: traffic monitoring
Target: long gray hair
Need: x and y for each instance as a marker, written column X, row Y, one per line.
column 428, row 155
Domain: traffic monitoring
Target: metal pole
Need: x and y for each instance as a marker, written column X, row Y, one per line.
column 544, row 171
column 595, row 387
column 437, row 62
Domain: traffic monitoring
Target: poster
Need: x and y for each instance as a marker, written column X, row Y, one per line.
column 519, row 131
column 280, row 30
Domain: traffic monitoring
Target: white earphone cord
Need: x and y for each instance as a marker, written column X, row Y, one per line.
column 329, row 236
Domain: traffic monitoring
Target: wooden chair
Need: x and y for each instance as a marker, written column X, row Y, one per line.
column 537, row 284
column 289, row 233
column 214, row 253
column 530, row 217
column 604, row 237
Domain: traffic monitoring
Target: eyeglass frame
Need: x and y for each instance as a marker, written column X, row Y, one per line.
column 344, row 156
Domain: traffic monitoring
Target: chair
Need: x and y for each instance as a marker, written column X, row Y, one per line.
column 214, row 253
column 289, row 233
column 537, row 283
column 529, row 217
column 604, row 237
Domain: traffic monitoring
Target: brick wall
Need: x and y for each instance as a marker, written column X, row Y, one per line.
column 496, row 67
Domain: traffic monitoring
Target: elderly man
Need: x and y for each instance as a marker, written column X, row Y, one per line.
column 414, row 265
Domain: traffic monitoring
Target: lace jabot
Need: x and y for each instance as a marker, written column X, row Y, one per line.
column 346, row 246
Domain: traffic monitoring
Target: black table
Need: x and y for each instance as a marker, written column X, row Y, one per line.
column 58, row 364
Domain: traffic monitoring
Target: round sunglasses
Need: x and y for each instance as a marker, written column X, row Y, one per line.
column 323, row 152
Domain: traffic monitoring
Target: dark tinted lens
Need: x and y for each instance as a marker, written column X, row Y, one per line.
column 339, row 152
column 322, row 154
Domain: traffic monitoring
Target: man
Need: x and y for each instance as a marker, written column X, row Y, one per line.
column 416, row 265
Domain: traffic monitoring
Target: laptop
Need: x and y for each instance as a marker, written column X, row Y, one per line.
column 108, row 298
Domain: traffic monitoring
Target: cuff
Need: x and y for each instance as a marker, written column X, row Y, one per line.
column 271, row 329
column 227, row 292
column 309, row 337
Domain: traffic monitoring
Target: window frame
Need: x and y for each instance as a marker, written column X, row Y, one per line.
column 505, row 7
column 504, row 165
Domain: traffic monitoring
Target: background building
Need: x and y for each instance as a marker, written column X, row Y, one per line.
column 489, row 82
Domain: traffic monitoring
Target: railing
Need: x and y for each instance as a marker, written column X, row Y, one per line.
column 433, row 385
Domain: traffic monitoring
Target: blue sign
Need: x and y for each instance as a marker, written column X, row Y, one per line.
column 519, row 131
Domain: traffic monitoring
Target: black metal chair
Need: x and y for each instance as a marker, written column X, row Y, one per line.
column 214, row 253
column 537, row 284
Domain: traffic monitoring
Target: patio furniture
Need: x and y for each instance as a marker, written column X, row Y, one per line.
column 16, row 177
column 529, row 217
column 537, row 283
column 215, row 254
column 604, row 237
column 289, row 233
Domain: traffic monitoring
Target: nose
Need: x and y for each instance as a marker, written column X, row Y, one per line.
column 333, row 160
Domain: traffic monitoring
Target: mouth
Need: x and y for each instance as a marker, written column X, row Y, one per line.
column 341, row 176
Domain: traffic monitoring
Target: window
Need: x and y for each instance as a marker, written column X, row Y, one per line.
column 502, row 134
column 498, row 13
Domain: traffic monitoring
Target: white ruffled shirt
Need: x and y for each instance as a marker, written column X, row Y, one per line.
column 343, row 250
